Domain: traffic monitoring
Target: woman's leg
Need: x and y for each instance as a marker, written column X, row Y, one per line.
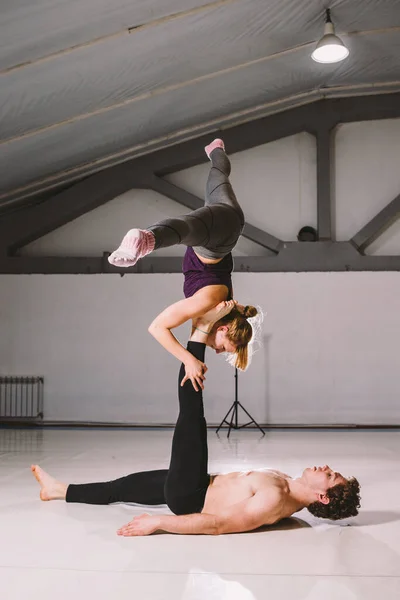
column 228, row 217
column 219, row 189
column 190, row 230
column 212, row 230
column 203, row 227
column 187, row 480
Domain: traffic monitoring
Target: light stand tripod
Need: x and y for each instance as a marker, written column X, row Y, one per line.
column 233, row 423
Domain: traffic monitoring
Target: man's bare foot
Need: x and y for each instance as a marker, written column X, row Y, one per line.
column 50, row 488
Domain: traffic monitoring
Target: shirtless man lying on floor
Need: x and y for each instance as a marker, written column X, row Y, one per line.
column 210, row 504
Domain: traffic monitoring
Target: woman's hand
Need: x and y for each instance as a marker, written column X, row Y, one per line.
column 195, row 371
column 216, row 313
column 143, row 525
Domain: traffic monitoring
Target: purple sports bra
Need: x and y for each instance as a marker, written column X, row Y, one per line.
column 198, row 275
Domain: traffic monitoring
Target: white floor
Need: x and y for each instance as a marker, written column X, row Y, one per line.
column 54, row 550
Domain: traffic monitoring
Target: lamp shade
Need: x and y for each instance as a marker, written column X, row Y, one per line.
column 330, row 48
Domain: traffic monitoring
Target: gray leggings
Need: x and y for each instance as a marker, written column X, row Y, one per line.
column 214, row 229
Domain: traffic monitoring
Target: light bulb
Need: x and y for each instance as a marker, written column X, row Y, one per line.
column 330, row 53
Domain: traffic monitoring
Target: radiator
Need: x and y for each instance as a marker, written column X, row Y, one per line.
column 21, row 398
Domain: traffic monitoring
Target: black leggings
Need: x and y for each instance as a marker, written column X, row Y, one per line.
column 184, row 485
column 214, row 229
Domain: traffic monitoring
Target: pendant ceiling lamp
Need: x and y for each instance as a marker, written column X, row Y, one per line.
column 330, row 48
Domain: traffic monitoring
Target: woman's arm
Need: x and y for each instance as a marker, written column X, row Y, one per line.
column 177, row 314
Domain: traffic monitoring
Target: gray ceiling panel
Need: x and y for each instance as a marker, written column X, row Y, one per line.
column 142, row 122
column 120, row 69
column 31, row 29
column 138, row 123
column 188, row 67
column 374, row 59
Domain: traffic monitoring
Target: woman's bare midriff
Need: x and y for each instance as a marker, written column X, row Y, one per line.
column 208, row 261
column 229, row 489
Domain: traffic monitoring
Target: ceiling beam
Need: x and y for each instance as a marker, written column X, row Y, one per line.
column 325, row 176
column 376, row 226
column 236, row 138
column 27, row 225
column 325, row 95
column 363, row 108
column 326, row 113
column 24, row 226
column 295, row 257
column 165, row 188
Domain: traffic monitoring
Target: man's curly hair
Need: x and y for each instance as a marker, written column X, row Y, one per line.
column 344, row 501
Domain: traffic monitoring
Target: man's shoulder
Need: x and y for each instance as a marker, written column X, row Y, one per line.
column 261, row 509
column 272, row 494
column 271, row 497
column 264, row 507
column 268, row 499
column 271, row 501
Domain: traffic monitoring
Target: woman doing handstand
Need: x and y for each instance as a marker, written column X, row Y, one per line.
column 210, row 234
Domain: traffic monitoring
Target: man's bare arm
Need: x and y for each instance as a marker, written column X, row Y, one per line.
column 184, row 524
column 193, row 524
column 261, row 509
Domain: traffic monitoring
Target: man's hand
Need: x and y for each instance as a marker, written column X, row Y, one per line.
column 143, row 525
column 195, row 371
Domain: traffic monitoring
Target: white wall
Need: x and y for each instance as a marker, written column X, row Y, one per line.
column 330, row 340
column 329, row 355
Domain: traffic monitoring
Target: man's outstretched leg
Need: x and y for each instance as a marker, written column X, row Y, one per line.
column 188, row 480
column 146, row 487
column 183, row 487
